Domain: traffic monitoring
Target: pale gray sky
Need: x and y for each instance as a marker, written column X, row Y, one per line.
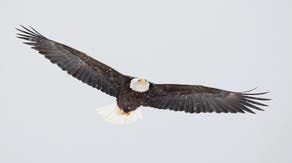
column 47, row 116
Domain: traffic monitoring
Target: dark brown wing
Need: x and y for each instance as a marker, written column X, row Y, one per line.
column 197, row 99
column 76, row 63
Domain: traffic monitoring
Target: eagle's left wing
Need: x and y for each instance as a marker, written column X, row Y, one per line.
column 197, row 99
column 76, row 63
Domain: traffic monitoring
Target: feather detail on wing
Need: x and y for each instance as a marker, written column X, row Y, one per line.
column 198, row 99
column 76, row 63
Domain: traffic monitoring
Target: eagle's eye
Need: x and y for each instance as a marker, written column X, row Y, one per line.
column 139, row 85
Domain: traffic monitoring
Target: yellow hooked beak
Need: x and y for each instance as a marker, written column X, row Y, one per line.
column 142, row 81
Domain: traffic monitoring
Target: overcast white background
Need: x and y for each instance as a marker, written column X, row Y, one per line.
column 47, row 116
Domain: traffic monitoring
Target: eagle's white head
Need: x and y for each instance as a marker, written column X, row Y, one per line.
column 139, row 85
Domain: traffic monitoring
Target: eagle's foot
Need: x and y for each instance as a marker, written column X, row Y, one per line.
column 125, row 113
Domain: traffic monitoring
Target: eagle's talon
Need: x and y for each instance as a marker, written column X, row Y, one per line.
column 124, row 113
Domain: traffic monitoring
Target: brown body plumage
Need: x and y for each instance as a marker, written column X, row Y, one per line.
column 130, row 100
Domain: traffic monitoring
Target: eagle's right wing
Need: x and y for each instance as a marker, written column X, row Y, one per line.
column 76, row 63
column 197, row 99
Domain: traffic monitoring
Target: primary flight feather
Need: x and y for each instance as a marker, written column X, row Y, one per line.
column 132, row 92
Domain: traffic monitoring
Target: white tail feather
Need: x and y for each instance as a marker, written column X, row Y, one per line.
column 113, row 114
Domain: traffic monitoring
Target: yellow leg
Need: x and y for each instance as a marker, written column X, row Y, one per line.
column 124, row 113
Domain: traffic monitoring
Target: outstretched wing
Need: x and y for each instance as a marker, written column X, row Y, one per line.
column 76, row 63
column 197, row 99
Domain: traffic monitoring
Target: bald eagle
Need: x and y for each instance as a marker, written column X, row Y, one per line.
column 133, row 92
